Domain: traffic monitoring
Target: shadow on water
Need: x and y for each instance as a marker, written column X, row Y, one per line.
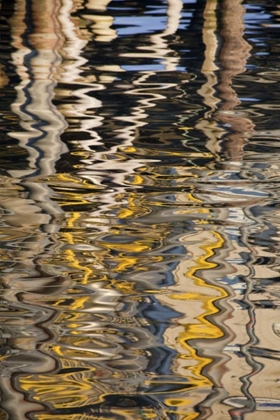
column 139, row 209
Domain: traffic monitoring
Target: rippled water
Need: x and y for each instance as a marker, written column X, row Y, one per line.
column 140, row 209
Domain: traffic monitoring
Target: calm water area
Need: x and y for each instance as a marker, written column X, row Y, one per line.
column 139, row 209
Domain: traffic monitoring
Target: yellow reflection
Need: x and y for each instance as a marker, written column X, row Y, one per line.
column 134, row 207
column 197, row 307
column 137, row 180
column 83, row 388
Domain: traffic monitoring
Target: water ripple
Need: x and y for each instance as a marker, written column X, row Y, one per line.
column 139, row 210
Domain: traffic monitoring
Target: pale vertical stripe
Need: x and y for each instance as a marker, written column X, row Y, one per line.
column 209, row 68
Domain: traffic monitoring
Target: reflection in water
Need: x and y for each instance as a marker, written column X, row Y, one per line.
column 139, row 210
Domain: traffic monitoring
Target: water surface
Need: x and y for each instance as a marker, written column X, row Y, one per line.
column 139, row 209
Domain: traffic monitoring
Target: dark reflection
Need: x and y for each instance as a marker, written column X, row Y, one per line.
column 139, row 209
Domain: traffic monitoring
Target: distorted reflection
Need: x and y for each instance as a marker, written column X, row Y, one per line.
column 139, row 210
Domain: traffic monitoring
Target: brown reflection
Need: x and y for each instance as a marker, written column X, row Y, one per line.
column 234, row 52
column 3, row 77
column 229, row 139
column 232, row 57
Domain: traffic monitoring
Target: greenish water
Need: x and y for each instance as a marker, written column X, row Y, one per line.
column 139, row 200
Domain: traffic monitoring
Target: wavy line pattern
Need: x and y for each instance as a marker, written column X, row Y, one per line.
column 139, row 247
